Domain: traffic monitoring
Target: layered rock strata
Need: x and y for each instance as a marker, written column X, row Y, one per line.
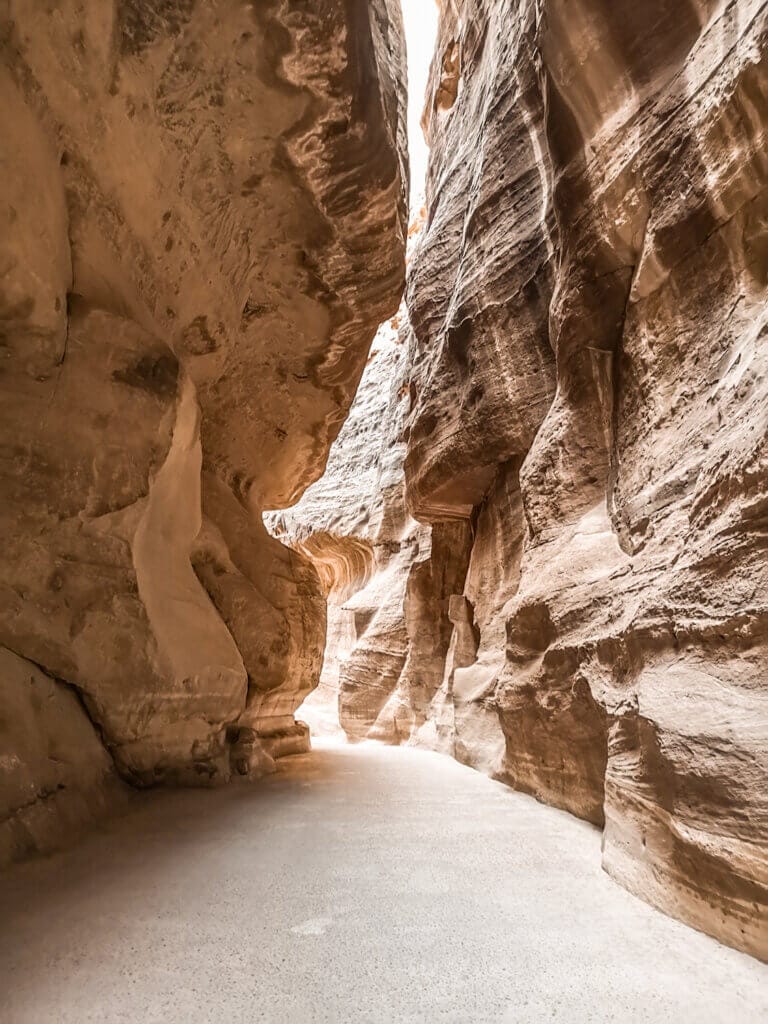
column 203, row 210
column 387, row 577
column 588, row 387
column 591, row 378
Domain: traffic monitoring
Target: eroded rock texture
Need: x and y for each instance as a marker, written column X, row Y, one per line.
column 203, row 224
column 388, row 578
column 591, row 378
column 588, row 383
column 55, row 775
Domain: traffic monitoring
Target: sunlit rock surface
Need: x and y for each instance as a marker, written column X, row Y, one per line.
column 203, row 220
column 387, row 577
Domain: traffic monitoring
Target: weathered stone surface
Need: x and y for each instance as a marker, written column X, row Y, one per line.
column 588, row 390
column 589, row 308
column 55, row 775
column 203, row 210
column 388, row 578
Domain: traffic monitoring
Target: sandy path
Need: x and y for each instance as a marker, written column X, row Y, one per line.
column 358, row 884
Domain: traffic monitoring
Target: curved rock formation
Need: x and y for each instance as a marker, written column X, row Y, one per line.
column 589, row 308
column 543, row 528
column 203, row 210
column 388, row 577
column 588, row 376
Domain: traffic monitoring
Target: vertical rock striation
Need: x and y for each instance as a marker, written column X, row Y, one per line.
column 587, row 377
column 589, row 309
column 203, row 209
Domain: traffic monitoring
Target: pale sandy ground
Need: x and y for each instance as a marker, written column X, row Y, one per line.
column 358, row 884
column 320, row 711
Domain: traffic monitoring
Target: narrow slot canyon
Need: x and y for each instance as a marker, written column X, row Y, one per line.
column 384, row 502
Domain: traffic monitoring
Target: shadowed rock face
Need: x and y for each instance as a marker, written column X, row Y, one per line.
column 587, row 377
column 203, row 210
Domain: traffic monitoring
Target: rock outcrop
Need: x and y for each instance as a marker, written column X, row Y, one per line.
column 589, row 307
column 588, row 382
column 55, row 775
column 203, row 210
column 387, row 577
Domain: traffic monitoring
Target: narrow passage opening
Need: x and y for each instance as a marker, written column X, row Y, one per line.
column 347, row 548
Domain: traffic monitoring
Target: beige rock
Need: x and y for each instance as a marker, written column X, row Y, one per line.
column 542, row 532
column 55, row 775
column 587, row 383
column 203, row 210
column 589, row 308
column 388, row 578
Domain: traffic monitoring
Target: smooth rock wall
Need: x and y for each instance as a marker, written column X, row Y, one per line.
column 203, row 210
column 55, row 775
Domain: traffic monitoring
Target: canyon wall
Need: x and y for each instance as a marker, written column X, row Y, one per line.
column 388, row 578
column 586, row 383
column 204, row 213
column 590, row 369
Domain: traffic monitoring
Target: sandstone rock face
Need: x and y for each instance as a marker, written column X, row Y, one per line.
column 388, row 578
column 203, row 210
column 591, row 378
column 55, row 775
column 587, row 390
